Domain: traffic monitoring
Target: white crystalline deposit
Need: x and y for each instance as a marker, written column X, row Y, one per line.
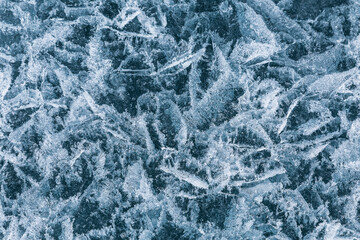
column 179, row 119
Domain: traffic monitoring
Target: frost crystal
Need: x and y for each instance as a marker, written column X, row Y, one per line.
column 179, row 119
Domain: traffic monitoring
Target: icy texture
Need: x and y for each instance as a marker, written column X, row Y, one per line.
column 179, row 119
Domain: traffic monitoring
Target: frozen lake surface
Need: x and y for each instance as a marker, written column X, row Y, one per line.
column 179, row 119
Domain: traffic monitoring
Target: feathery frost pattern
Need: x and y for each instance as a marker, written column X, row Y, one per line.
column 179, row 119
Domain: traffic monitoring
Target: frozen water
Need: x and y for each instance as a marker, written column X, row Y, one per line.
column 179, row 119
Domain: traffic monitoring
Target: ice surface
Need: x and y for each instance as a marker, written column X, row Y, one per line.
column 179, row 119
